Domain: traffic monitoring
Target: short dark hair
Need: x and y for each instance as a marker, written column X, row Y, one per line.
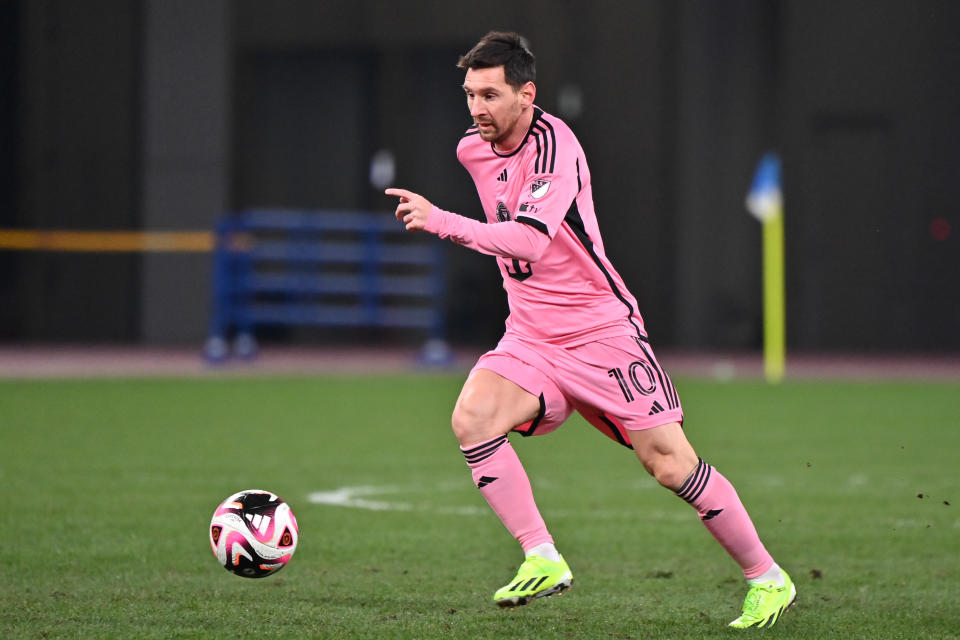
column 503, row 48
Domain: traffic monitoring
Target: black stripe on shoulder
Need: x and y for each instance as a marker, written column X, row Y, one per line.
column 536, row 163
column 553, row 145
column 547, row 153
column 533, row 222
column 472, row 131
column 543, row 148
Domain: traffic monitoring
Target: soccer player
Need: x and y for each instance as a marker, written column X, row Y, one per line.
column 574, row 338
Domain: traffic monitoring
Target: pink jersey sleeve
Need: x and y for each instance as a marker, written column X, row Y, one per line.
column 546, row 201
column 513, row 240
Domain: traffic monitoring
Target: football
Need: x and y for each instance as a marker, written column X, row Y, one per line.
column 253, row 533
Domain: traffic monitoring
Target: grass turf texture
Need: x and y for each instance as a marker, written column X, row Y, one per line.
column 109, row 486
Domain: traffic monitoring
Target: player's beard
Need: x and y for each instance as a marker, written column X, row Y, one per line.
column 490, row 134
column 498, row 132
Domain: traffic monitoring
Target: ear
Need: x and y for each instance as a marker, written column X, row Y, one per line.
column 528, row 93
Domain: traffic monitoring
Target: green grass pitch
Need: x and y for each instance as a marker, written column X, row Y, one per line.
column 109, row 485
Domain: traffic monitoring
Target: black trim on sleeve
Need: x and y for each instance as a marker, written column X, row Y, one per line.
column 536, row 224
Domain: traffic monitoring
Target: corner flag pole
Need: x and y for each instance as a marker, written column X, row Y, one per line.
column 765, row 203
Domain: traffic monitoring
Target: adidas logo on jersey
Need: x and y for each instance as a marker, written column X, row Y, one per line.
column 503, row 176
column 657, row 408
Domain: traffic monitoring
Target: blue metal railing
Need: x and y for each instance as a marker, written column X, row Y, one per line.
column 321, row 269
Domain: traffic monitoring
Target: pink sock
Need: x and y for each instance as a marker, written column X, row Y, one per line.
column 499, row 475
column 726, row 519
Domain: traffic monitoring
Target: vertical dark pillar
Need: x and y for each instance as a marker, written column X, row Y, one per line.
column 185, row 114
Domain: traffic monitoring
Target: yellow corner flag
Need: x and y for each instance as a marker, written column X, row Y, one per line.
column 765, row 203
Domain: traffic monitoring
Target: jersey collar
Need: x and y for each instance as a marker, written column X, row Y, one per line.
column 537, row 114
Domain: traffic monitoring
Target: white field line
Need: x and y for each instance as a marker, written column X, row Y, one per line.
column 379, row 498
column 358, row 498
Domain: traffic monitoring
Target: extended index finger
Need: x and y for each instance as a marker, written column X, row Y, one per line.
column 400, row 193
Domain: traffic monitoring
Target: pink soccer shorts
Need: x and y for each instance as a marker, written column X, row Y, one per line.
column 615, row 383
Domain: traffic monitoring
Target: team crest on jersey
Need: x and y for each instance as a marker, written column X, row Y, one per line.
column 503, row 214
column 539, row 188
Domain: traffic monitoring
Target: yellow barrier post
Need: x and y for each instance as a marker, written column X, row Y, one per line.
column 765, row 202
column 110, row 241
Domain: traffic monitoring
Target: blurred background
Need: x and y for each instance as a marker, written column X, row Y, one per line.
column 150, row 115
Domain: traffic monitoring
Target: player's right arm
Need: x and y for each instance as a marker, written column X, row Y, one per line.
column 511, row 239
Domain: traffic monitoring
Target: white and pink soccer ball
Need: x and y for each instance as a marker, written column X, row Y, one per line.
column 253, row 533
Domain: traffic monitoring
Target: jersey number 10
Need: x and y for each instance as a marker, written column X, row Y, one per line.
column 519, row 273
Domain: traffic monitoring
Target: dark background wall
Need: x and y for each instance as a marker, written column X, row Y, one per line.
column 870, row 122
column 162, row 115
column 73, row 104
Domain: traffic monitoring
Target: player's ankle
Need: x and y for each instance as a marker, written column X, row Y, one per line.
column 773, row 574
column 544, row 550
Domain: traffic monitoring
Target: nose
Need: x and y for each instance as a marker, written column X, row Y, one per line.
column 476, row 108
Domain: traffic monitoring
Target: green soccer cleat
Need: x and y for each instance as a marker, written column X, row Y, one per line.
column 765, row 603
column 537, row 578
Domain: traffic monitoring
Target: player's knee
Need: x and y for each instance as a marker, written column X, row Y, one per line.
column 669, row 471
column 668, row 476
column 473, row 421
column 666, row 454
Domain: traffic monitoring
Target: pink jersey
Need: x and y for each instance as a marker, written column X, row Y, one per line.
column 541, row 224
